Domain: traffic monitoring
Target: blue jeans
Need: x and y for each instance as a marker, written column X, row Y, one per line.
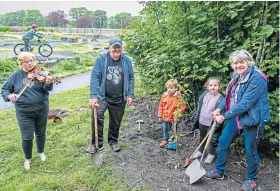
column 166, row 126
column 26, row 44
column 252, row 137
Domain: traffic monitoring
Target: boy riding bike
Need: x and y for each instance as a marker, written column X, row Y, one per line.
column 27, row 37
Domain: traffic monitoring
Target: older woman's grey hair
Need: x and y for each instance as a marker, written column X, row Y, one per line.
column 240, row 55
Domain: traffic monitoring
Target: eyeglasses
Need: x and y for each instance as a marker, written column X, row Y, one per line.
column 27, row 61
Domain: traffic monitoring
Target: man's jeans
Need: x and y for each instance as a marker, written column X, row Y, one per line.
column 166, row 126
column 251, row 141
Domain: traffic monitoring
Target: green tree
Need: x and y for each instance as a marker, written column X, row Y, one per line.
column 13, row 18
column 100, row 19
column 33, row 17
column 123, row 19
column 113, row 23
column 76, row 13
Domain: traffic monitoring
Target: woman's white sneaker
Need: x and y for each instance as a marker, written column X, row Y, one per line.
column 42, row 157
column 26, row 164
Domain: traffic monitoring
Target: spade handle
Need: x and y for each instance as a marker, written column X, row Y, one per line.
column 95, row 127
column 211, row 132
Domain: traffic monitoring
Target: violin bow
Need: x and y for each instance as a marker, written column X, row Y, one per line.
column 26, row 85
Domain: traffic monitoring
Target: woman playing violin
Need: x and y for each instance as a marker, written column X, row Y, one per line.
column 32, row 105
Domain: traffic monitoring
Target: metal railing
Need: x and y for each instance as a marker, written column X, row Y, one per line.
column 92, row 31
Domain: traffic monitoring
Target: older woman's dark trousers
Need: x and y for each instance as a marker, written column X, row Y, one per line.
column 30, row 123
column 116, row 112
column 251, row 141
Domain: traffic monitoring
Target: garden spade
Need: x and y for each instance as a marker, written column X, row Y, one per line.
column 189, row 160
column 195, row 171
column 97, row 157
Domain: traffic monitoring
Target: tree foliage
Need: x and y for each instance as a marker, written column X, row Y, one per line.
column 33, row 16
column 57, row 19
column 123, row 19
column 22, row 18
column 78, row 17
column 76, row 13
column 99, row 19
column 84, row 22
column 191, row 41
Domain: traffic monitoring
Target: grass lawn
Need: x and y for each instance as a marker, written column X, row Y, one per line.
column 75, row 47
column 68, row 166
column 6, row 51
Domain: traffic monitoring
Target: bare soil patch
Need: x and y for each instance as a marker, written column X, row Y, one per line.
column 145, row 164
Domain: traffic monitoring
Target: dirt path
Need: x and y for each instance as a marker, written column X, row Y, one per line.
column 146, row 164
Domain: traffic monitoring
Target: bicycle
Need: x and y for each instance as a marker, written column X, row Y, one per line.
column 44, row 50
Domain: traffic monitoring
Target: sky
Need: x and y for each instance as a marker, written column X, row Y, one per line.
column 45, row 7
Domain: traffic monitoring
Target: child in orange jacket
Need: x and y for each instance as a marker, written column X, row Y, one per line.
column 171, row 101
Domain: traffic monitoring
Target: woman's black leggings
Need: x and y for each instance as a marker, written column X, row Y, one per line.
column 31, row 123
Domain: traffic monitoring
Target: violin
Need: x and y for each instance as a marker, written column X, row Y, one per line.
column 41, row 75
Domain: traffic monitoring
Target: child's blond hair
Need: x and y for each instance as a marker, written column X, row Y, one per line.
column 213, row 78
column 171, row 83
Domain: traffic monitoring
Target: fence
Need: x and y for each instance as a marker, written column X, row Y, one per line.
column 92, row 31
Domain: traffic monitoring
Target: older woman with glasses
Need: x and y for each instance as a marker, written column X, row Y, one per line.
column 246, row 110
column 32, row 106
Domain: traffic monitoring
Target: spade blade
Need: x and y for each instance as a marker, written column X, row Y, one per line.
column 97, row 158
column 195, row 171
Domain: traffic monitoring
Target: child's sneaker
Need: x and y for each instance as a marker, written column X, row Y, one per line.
column 163, row 144
column 42, row 157
column 213, row 174
column 209, row 159
column 249, row 185
column 26, row 164
column 197, row 155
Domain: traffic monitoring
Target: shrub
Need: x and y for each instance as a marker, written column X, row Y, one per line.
column 18, row 29
column 7, row 66
column 43, row 29
column 5, row 29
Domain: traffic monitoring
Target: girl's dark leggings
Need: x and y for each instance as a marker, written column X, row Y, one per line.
column 30, row 123
column 203, row 129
